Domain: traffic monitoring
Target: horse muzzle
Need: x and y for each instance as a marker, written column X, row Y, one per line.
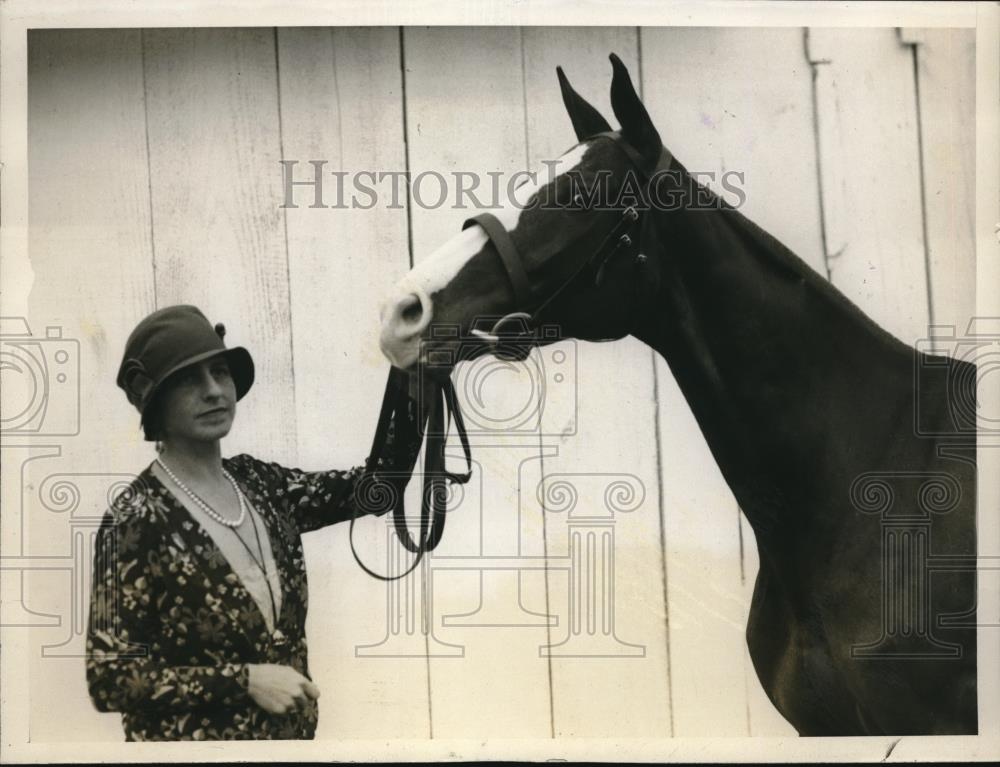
column 404, row 317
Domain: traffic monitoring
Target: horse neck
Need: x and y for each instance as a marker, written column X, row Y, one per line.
column 773, row 361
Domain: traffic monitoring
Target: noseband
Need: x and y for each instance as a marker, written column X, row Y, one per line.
column 514, row 333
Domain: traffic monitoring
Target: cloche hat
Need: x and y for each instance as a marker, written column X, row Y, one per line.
column 170, row 339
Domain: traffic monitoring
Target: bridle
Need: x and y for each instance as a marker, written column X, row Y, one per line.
column 515, row 332
column 400, row 430
column 512, row 335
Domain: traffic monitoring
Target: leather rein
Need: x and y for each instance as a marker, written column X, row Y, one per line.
column 377, row 493
column 511, row 335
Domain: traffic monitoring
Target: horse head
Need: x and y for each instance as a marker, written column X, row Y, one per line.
column 569, row 249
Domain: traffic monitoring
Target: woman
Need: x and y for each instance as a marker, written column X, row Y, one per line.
column 198, row 612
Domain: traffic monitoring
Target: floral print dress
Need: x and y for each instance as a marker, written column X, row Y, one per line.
column 172, row 629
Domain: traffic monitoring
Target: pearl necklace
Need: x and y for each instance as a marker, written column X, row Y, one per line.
column 204, row 506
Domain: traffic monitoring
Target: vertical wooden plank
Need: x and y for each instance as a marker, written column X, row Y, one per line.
column 870, row 161
column 625, row 693
column 464, row 95
column 90, row 249
column 90, row 229
column 341, row 102
column 740, row 100
column 705, row 596
column 216, row 186
column 946, row 74
column 734, row 101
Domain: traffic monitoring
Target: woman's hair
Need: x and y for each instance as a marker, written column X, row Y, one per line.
column 152, row 417
column 152, row 414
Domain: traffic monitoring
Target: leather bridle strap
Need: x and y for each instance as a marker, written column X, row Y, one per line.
column 663, row 162
column 398, row 412
column 616, row 239
column 499, row 236
column 435, row 496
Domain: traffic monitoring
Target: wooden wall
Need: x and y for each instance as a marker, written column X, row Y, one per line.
column 155, row 179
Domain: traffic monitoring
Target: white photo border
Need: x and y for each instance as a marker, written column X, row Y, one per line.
column 19, row 16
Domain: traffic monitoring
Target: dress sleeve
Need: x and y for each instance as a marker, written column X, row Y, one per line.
column 122, row 674
column 315, row 499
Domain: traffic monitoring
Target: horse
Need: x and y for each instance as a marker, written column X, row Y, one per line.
column 840, row 442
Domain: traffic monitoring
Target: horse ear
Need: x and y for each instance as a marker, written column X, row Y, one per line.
column 637, row 127
column 586, row 120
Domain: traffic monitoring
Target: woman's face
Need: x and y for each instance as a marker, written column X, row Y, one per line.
column 200, row 402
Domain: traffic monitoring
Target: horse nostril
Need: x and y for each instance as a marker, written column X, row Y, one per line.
column 404, row 318
column 411, row 309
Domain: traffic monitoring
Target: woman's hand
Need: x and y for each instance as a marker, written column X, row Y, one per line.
column 279, row 689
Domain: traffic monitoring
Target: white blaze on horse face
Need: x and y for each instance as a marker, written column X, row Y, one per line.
column 399, row 337
column 440, row 267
